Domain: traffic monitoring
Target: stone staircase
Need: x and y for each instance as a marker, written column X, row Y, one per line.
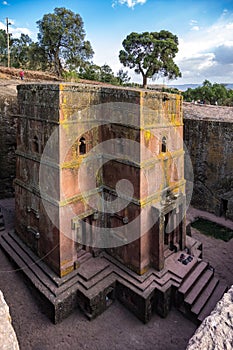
column 99, row 279
column 199, row 292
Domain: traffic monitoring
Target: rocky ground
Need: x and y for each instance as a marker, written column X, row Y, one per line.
column 117, row 328
column 9, row 79
column 13, row 73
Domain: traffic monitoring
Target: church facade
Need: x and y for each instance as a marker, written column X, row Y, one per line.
column 75, row 145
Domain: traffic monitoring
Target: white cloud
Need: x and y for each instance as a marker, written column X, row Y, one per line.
column 206, row 52
column 5, row 3
column 192, row 22
column 14, row 30
column 194, row 25
column 129, row 3
column 195, row 28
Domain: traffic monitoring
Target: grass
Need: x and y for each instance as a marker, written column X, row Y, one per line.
column 212, row 229
column 70, row 76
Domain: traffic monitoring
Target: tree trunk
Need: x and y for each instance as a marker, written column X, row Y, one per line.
column 57, row 65
column 144, row 81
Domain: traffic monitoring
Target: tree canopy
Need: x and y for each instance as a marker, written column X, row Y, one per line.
column 210, row 93
column 104, row 74
column 3, row 47
column 61, row 36
column 123, row 77
column 151, row 54
column 61, row 49
column 20, row 48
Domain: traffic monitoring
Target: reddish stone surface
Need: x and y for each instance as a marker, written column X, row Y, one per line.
column 145, row 120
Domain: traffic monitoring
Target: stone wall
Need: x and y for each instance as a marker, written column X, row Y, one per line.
column 208, row 134
column 8, row 108
column 216, row 331
column 8, row 339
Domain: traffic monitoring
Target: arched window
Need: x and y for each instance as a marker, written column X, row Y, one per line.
column 35, row 144
column 164, row 144
column 82, row 146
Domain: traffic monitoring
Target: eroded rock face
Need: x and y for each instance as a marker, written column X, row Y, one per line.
column 216, row 332
column 8, row 108
column 8, row 340
column 208, row 137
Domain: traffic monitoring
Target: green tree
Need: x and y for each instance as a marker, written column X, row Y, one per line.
column 37, row 58
column 207, row 92
column 122, row 77
column 90, row 71
column 107, row 75
column 220, row 93
column 23, row 52
column 103, row 73
column 229, row 99
column 151, row 54
column 61, row 36
column 210, row 93
column 3, row 47
column 20, row 51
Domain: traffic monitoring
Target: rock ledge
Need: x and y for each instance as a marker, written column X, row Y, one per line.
column 216, row 331
column 8, row 340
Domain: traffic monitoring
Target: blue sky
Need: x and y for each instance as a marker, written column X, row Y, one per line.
column 204, row 29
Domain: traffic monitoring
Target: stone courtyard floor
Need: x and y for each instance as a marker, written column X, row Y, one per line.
column 196, row 213
column 116, row 328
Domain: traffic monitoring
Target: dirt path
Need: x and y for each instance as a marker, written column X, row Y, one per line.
column 115, row 329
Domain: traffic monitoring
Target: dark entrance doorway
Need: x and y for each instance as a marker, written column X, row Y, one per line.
column 224, row 207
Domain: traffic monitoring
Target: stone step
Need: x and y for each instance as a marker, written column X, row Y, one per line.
column 84, row 258
column 58, row 281
column 25, row 262
column 198, row 287
column 211, row 303
column 168, row 253
column 92, row 267
column 80, row 253
column 204, row 297
column 12, row 237
column 2, row 223
column 34, row 268
column 28, row 273
column 102, row 275
column 192, row 278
